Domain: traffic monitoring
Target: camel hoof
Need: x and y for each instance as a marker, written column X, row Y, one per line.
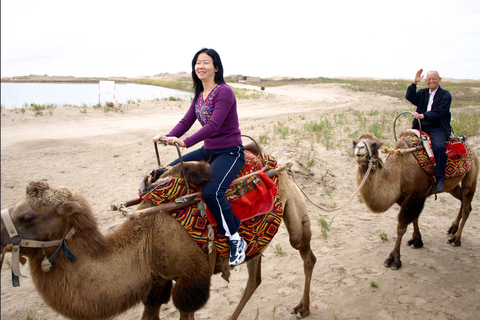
column 390, row 262
column 452, row 230
column 417, row 243
column 300, row 311
column 454, row 242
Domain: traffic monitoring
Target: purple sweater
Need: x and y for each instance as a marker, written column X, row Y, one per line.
column 219, row 119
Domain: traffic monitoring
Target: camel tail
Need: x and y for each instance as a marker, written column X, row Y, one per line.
column 189, row 295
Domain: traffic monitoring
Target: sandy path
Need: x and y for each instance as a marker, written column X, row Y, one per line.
column 105, row 155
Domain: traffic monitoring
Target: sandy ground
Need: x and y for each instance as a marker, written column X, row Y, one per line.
column 105, row 155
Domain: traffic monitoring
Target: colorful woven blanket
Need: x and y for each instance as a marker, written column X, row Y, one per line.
column 459, row 156
column 251, row 197
column 258, row 192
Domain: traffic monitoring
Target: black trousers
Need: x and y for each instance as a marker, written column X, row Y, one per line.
column 439, row 149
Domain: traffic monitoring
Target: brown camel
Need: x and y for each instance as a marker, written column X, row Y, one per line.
column 139, row 261
column 400, row 179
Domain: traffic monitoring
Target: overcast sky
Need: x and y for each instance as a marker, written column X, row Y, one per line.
column 296, row 38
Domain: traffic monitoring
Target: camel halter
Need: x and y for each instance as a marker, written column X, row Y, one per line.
column 18, row 241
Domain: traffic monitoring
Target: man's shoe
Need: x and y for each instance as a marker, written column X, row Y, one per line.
column 237, row 252
column 439, row 185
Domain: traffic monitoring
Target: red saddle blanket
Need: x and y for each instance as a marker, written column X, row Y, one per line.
column 257, row 193
column 459, row 155
column 250, row 197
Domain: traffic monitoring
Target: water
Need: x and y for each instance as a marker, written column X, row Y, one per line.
column 16, row 95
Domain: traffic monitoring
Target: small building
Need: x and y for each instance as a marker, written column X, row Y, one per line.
column 249, row 79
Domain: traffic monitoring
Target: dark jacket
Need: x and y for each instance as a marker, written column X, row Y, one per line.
column 440, row 113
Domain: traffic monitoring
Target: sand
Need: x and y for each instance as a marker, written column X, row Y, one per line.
column 104, row 156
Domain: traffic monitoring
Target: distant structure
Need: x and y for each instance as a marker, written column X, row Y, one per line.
column 106, row 87
column 249, row 79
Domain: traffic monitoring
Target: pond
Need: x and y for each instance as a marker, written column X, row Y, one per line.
column 17, row 95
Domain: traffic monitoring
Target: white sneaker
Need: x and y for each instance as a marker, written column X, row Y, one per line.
column 237, row 252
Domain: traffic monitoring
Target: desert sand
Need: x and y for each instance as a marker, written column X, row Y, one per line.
column 104, row 156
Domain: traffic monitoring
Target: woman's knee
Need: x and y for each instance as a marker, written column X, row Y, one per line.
column 210, row 195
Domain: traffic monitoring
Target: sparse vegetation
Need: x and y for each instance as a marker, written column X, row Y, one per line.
column 30, row 314
column 383, row 236
column 325, row 226
column 278, row 250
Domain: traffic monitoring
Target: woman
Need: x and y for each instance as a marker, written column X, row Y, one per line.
column 215, row 107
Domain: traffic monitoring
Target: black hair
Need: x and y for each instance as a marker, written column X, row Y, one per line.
column 217, row 63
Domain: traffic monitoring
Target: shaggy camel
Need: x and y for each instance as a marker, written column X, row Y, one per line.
column 138, row 261
column 115, row 272
column 400, row 179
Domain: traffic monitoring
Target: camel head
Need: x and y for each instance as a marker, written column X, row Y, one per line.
column 44, row 214
column 366, row 147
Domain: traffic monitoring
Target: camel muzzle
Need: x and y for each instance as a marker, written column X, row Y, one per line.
column 17, row 241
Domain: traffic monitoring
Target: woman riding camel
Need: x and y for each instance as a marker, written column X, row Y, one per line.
column 215, row 107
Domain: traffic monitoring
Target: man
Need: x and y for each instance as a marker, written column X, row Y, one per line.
column 433, row 110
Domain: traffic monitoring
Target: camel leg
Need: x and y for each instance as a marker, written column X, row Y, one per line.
column 416, row 240
column 254, row 279
column 158, row 295
column 410, row 210
column 459, row 223
column 393, row 260
column 297, row 223
column 457, row 194
column 187, row 315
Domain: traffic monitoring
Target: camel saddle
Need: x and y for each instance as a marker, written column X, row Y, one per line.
column 254, row 200
column 459, row 154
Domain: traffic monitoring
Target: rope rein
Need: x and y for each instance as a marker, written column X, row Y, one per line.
column 370, row 166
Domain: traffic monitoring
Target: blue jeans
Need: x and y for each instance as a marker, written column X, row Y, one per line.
column 225, row 165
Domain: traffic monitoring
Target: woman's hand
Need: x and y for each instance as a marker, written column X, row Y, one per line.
column 159, row 138
column 172, row 140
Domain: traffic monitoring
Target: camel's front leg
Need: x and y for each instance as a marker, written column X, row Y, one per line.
column 409, row 212
column 187, row 315
column 303, row 308
column 393, row 260
column 254, row 280
column 159, row 294
column 416, row 240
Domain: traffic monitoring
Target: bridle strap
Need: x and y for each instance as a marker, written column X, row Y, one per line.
column 29, row 243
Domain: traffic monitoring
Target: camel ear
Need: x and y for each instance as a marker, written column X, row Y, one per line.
column 377, row 145
column 355, row 142
column 67, row 208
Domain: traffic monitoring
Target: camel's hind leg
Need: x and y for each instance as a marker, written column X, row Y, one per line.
column 465, row 195
column 297, row 223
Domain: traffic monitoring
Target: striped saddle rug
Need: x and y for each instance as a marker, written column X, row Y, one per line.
column 255, row 201
column 459, row 155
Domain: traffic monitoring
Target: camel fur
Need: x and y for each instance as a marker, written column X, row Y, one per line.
column 147, row 260
column 136, row 263
column 401, row 180
column 296, row 220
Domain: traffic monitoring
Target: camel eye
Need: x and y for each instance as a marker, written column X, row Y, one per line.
column 28, row 218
